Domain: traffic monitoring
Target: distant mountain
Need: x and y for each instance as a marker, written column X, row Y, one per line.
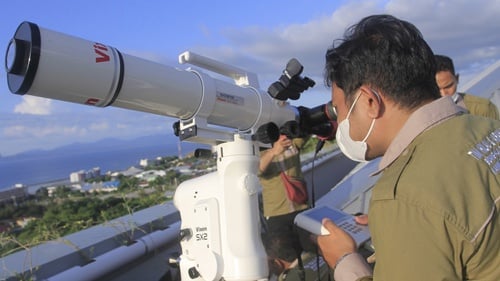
column 169, row 141
column 111, row 154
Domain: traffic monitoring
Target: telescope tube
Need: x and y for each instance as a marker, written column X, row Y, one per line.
column 53, row 65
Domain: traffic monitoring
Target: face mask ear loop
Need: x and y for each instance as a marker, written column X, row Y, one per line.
column 352, row 106
column 369, row 130
column 373, row 121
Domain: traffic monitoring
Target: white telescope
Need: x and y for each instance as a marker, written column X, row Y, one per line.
column 53, row 65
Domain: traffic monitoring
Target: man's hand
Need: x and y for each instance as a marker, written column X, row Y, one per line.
column 334, row 245
column 279, row 146
column 282, row 144
column 361, row 219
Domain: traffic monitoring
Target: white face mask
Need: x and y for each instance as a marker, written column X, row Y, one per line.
column 355, row 150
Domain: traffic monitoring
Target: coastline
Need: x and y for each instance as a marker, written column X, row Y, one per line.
column 33, row 188
column 42, row 167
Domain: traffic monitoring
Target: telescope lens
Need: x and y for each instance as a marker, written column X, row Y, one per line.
column 10, row 56
column 16, row 56
column 22, row 57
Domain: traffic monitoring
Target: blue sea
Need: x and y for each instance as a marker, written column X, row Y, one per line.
column 36, row 168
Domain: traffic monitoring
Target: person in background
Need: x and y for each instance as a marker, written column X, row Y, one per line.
column 278, row 210
column 447, row 82
column 434, row 211
column 283, row 262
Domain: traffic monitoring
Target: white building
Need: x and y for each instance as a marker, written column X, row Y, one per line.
column 150, row 175
column 148, row 162
column 77, row 176
column 93, row 173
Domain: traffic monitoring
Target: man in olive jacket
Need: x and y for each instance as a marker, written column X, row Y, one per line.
column 447, row 82
column 434, row 212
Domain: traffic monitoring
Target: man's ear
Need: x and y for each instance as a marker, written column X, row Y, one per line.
column 374, row 102
column 457, row 76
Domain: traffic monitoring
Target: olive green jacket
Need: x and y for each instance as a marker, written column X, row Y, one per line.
column 479, row 106
column 434, row 211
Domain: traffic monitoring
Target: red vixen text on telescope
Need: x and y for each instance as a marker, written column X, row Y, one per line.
column 101, row 52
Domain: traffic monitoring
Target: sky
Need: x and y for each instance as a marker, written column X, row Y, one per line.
column 258, row 36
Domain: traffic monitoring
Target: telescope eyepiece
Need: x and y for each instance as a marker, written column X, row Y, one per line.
column 293, row 68
column 267, row 133
column 291, row 129
column 290, row 85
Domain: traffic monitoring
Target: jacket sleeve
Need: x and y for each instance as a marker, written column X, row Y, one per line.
column 352, row 268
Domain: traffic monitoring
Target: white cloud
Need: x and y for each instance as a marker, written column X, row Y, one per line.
column 267, row 50
column 465, row 30
column 121, row 126
column 34, row 105
column 100, row 126
column 14, row 131
column 26, row 132
column 459, row 29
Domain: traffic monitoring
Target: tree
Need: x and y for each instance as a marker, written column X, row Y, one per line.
column 127, row 183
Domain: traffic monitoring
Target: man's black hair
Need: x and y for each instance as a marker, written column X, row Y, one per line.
column 282, row 245
column 444, row 63
column 388, row 54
